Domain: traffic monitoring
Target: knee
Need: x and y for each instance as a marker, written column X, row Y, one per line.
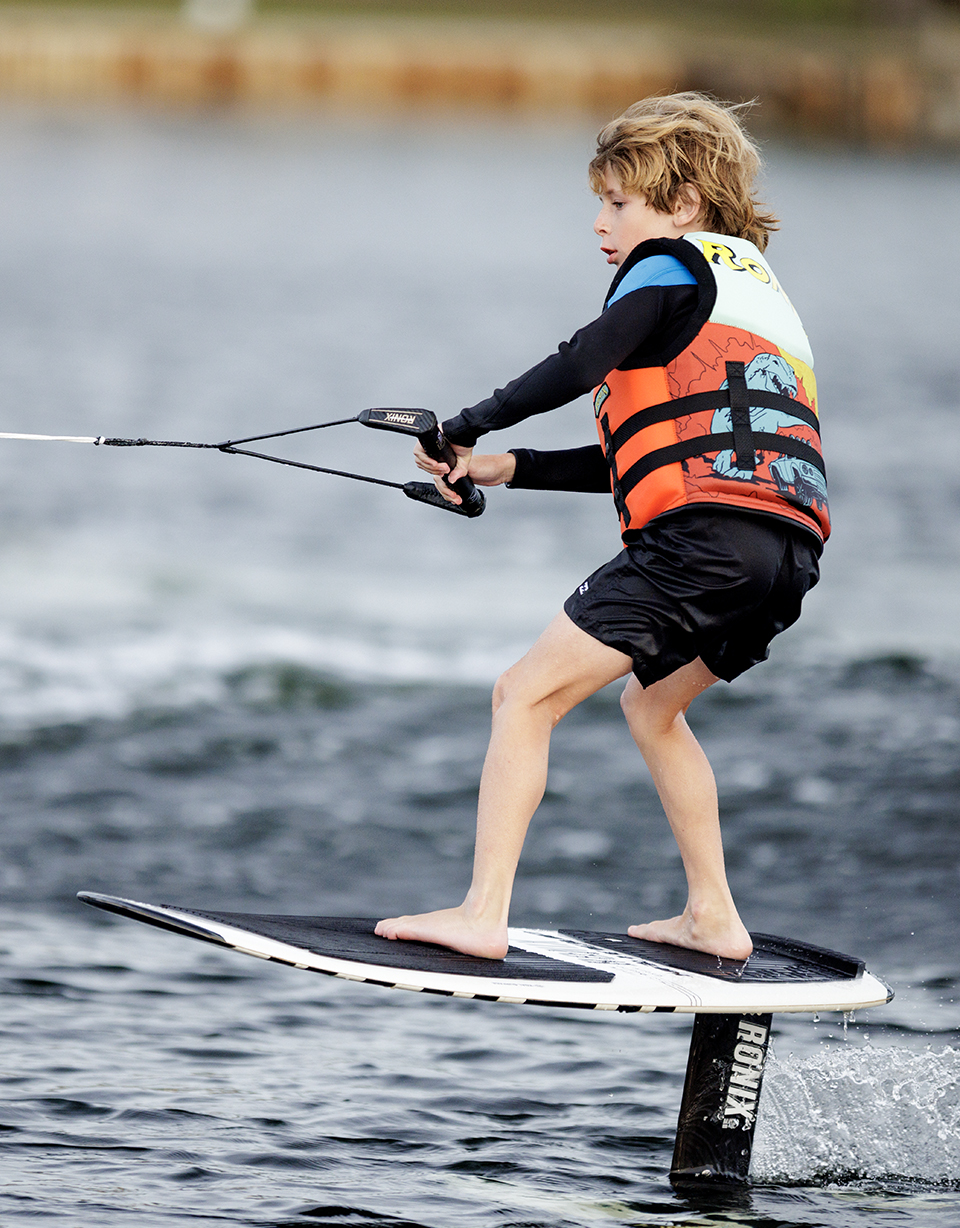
column 631, row 699
column 514, row 694
column 636, row 704
column 508, row 690
column 501, row 691
column 647, row 718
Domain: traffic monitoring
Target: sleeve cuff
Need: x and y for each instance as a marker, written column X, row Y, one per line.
column 520, row 474
column 457, row 431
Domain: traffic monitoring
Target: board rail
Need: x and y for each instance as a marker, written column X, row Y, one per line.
column 556, row 968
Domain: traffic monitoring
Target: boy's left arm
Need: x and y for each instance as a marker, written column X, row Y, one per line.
column 577, row 469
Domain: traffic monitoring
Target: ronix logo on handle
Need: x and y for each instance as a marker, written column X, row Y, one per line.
column 746, row 1071
column 403, row 419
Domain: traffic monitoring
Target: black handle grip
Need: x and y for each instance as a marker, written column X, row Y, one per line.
column 437, row 446
column 426, row 492
column 423, row 424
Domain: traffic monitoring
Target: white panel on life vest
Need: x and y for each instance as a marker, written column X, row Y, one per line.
column 749, row 295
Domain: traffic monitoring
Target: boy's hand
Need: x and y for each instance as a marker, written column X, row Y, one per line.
column 484, row 470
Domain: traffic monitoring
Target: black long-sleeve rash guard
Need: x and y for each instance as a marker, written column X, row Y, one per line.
column 632, row 332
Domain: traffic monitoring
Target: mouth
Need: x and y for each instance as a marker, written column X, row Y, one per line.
column 610, row 253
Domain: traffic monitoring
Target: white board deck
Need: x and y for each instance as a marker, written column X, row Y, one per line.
column 572, row 968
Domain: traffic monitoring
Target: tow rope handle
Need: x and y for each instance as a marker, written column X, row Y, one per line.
column 419, row 422
column 423, row 424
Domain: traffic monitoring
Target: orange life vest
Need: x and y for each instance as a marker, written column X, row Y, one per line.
column 730, row 418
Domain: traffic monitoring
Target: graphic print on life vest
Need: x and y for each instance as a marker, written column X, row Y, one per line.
column 765, row 370
column 771, row 373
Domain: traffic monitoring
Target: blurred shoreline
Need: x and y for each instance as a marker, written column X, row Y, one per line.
column 898, row 86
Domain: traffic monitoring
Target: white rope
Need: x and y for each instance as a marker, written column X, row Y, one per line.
column 57, row 438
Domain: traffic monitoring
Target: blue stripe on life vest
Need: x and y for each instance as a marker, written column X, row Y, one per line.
column 660, row 270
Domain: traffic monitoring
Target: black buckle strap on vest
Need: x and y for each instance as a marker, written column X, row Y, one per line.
column 619, row 502
column 743, row 442
column 699, row 445
column 717, row 398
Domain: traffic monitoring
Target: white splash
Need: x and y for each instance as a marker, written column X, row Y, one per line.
column 860, row 1112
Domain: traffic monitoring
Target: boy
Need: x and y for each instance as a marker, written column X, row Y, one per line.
column 706, row 409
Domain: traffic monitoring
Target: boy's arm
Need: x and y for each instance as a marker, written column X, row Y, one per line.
column 578, row 365
column 579, row 469
column 576, row 469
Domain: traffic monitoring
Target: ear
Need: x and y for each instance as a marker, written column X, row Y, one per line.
column 688, row 206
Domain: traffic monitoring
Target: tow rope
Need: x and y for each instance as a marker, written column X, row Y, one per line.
column 419, row 422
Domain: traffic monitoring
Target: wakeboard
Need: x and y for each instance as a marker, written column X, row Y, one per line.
column 564, row 967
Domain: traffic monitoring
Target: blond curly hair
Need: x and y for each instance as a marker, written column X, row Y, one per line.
column 658, row 145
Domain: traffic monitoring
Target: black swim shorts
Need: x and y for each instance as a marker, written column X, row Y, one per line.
column 712, row 583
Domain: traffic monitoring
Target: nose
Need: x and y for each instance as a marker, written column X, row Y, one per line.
column 600, row 226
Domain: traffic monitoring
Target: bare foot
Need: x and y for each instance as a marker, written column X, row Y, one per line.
column 726, row 936
column 449, row 927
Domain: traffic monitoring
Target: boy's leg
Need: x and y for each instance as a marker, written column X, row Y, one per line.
column 565, row 666
column 685, row 783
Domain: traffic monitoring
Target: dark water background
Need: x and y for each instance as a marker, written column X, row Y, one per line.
column 231, row 685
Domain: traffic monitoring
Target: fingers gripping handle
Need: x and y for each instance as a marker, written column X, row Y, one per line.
column 426, row 492
column 436, row 446
column 423, row 424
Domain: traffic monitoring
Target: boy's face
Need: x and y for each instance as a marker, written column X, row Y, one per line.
column 625, row 219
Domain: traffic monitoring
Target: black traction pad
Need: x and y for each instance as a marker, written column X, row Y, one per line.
column 353, row 938
column 773, row 959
